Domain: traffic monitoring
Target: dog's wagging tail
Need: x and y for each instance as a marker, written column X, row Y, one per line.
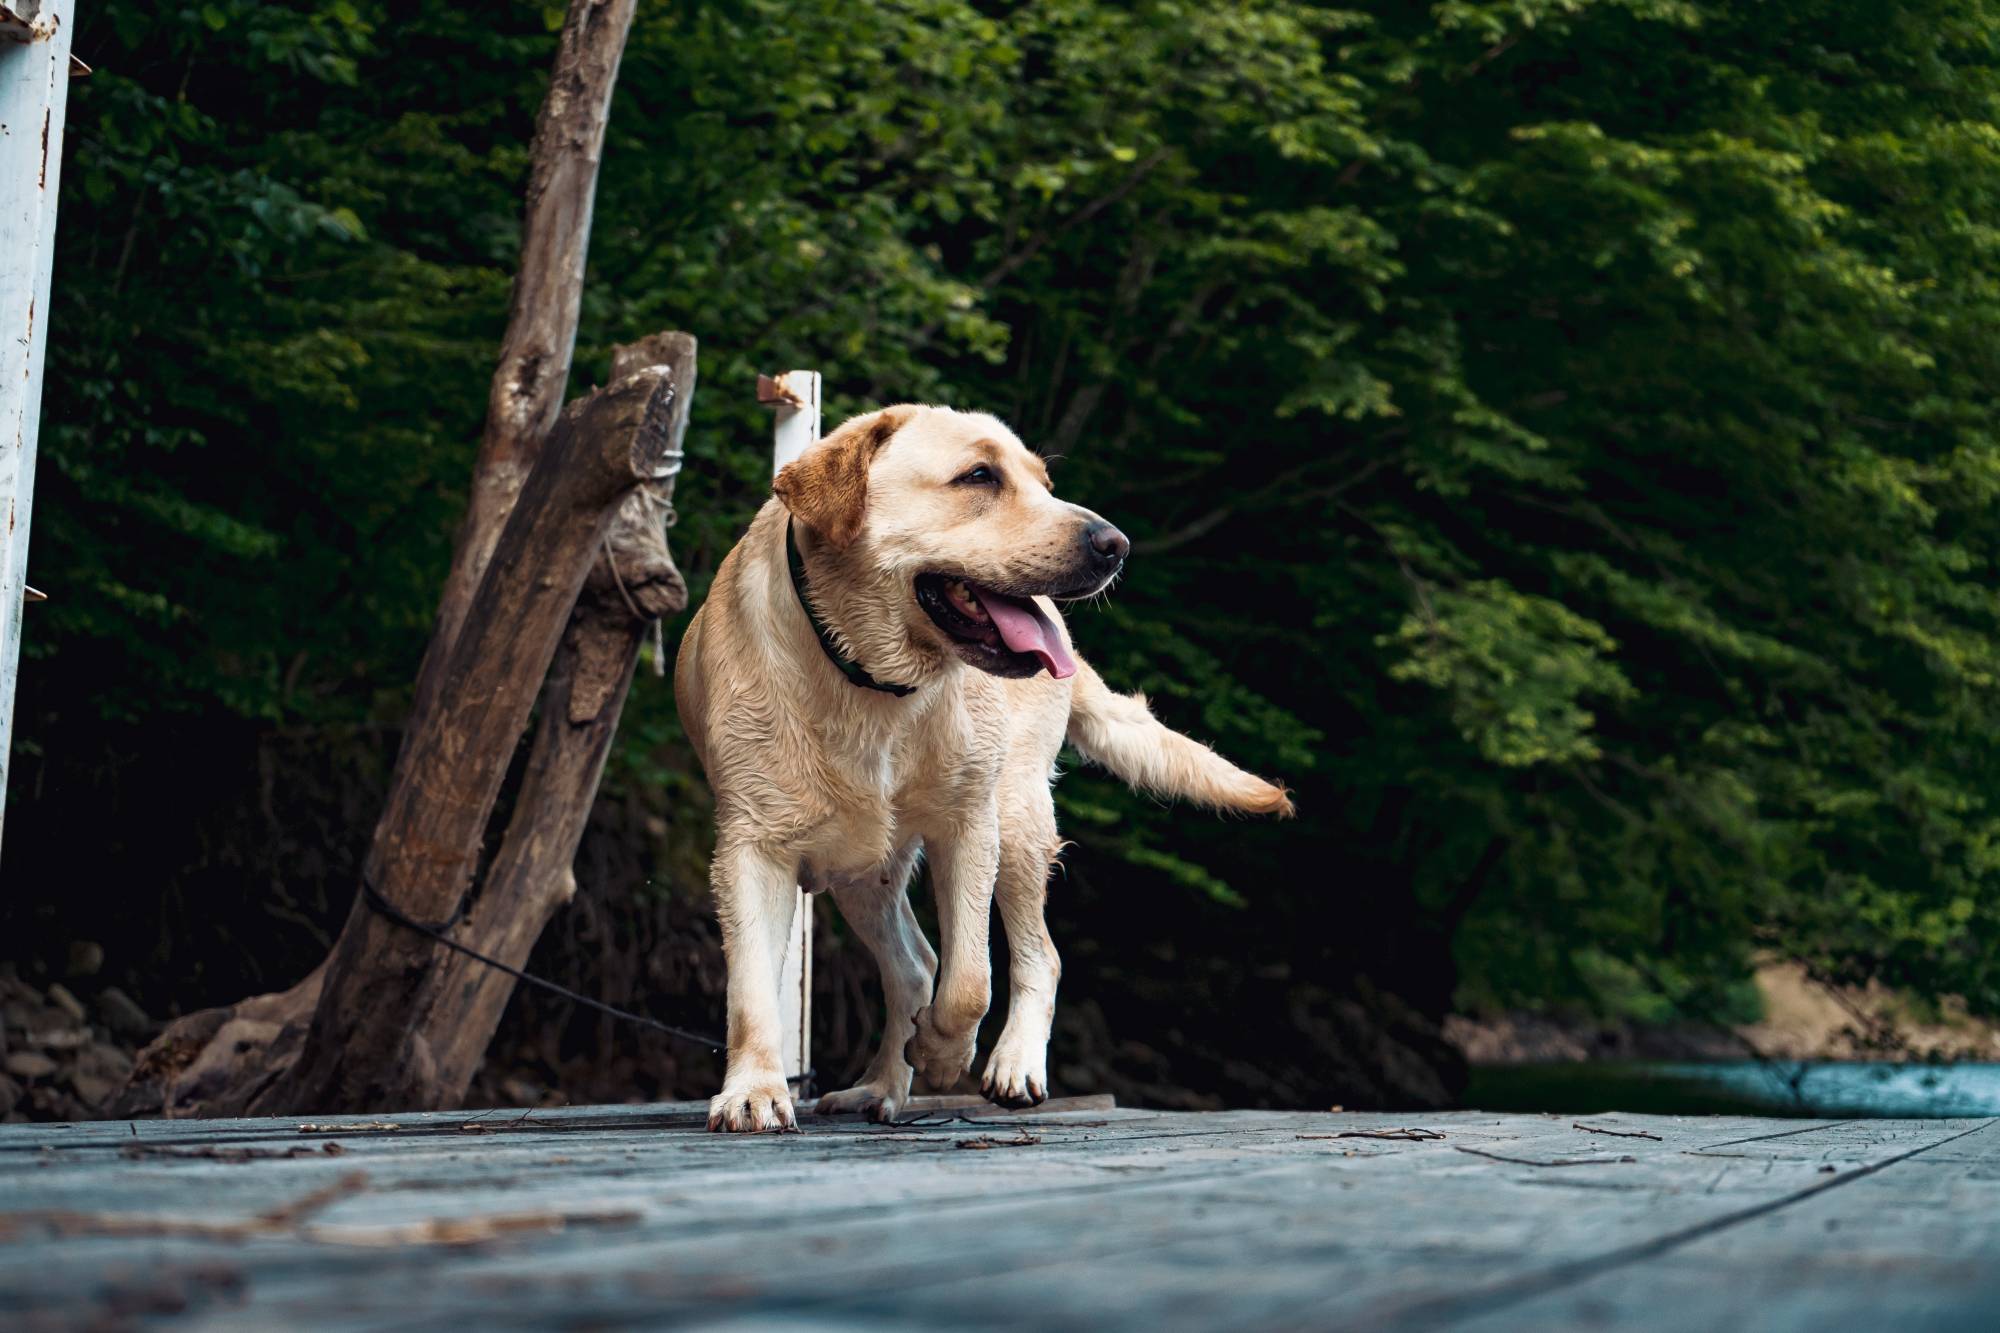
column 1119, row 733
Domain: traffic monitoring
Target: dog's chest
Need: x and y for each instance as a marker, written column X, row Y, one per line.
column 897, row 782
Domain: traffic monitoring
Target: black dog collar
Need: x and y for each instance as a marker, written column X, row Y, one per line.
column 854, row 671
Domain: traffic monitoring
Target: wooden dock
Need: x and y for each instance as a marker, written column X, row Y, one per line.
column 1076, row 1215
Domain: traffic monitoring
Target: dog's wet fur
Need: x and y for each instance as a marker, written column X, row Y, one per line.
column 935, row 551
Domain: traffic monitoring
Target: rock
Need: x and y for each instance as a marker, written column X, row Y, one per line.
column 30, row 1064
column 63, row 1038
column 10, row 1095
column 60, row 997
column 122, row 1014
column 105, row 1061
column 93, row 1090
column 86, row 958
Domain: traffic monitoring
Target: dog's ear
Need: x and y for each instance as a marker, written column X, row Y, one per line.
column 826, row 488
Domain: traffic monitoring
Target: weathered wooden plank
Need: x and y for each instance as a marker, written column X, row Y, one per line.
column 1909, row 1245
column 1108, row 1218
column 1227, row 1238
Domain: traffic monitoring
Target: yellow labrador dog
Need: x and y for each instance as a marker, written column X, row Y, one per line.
column 879, row 672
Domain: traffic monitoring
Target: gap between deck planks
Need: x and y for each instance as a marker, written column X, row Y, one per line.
column 1110, row 1217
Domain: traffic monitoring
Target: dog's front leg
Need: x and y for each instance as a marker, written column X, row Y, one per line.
column 964, row 861
column 756, row 893
column 1017, row 1069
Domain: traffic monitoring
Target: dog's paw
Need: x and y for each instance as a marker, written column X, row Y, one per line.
column 940, row 1056
column 878, row 1101
column 752, row 1104
column 1016, row 1074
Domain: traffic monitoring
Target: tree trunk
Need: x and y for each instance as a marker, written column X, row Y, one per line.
column 528, row 384
column 226, row 1061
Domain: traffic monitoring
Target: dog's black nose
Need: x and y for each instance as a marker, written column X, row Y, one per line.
column 1107, row 543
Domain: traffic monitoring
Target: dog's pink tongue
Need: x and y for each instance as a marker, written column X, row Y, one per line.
column 1026, row 628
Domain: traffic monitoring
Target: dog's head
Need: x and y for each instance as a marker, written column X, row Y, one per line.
column 943, row 529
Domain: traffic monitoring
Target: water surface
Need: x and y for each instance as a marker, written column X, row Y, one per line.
column 1839, row 1089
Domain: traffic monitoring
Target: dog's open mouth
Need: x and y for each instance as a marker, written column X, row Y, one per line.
column 1003, row 634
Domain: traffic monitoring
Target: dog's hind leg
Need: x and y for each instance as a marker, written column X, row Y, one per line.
column 964, row 860
column 877, row 909
column 1017, row 1070
column 755, row 896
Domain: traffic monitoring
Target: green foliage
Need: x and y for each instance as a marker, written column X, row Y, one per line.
column 1513, row 668
column 1559, row 425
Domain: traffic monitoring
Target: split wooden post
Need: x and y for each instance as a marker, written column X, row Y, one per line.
column 794, row 396
column 365, row 1046
column 34, row 93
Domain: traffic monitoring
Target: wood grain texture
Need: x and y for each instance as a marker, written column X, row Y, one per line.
column 632, row 582
column 367, row 1046
column 1089, row 1218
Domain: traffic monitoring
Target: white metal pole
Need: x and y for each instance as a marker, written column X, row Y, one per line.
column 34, row 91
column 795, row 395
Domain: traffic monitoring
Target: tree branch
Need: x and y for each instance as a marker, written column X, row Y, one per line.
column 1283, row 482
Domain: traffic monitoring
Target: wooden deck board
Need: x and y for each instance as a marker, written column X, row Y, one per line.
column 1111, row 1218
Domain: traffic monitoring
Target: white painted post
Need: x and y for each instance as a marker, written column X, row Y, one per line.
column 34, row 92
column 795, row 396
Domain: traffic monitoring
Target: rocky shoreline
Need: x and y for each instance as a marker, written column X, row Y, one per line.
column 60, row 1058
column 1803, row 1020
column 63, row 1057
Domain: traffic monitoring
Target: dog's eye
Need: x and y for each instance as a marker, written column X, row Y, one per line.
column 979, row 476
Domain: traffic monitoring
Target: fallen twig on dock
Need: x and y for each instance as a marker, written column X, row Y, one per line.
column 299, row 1209
column 138, row 1151
column 454, row 1231
column 1560, row 1161
column 276, row 1221
column 1618, row 1133
column 479, row 1124
column 1412, row 1135
column 985, row 1141
column 294, row 1219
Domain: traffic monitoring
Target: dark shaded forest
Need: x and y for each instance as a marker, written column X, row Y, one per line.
column 1557, row 438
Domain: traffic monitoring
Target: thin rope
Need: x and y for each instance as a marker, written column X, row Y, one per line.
column 382, row 906
column 664, row 509
column 611, row 562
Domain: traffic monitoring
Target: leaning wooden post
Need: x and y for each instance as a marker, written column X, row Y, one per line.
column 365, row 1047
column 631, row 584
column 34, row 91
column 795, row 398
